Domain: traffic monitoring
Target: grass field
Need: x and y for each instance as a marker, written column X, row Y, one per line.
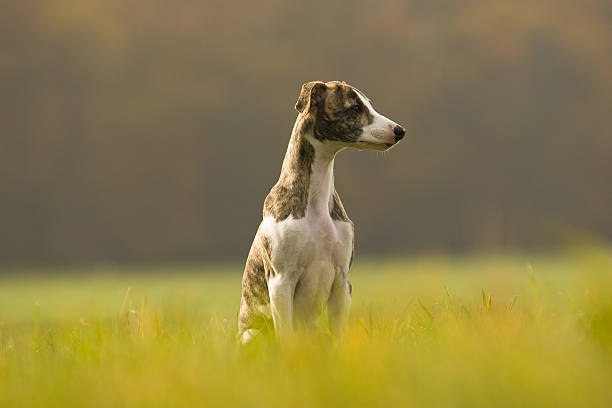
column 434, row 332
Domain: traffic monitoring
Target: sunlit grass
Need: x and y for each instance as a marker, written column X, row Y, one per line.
column 432, row 331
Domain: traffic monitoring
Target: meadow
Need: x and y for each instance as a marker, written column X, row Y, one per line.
column 432, row 331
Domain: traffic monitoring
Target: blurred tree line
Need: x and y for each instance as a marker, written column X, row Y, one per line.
column 152, row 130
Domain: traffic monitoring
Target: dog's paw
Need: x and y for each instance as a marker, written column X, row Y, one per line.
column 248, row 336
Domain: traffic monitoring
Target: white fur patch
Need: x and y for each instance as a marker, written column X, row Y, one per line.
column 309, row 253
column 380, row 131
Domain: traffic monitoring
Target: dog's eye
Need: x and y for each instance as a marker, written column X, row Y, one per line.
column 356, row 108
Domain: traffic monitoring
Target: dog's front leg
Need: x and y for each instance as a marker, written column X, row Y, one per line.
column 281, row 302
column 339, row 304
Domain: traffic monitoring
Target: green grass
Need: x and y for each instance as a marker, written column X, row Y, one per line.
column 433, row 332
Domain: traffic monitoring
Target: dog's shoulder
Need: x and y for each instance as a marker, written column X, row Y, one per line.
column 285, row 199
column 337, row 211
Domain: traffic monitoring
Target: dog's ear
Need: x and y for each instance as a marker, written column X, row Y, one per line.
column 312, row 94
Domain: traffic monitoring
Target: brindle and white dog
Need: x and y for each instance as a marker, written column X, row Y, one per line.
column 300, row 258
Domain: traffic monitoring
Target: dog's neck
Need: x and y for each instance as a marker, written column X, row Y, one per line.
column 307, row 174
column 321, row 188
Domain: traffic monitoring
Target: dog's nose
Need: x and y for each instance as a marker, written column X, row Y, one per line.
column 399, row 132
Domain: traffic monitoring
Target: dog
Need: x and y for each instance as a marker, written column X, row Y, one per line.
column 300, row 258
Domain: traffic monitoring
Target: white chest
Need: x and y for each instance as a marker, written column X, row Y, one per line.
column 313, row 244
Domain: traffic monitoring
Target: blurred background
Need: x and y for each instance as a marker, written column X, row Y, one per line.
column 151, row 131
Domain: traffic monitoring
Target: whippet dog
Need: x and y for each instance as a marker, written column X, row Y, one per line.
column 300, row 258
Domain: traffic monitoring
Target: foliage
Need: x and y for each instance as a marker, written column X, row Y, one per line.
column 435, row 331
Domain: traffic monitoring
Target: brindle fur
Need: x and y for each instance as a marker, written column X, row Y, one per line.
column 255, row 296
column 337, row 211
column 339, row 120
column 289, row 196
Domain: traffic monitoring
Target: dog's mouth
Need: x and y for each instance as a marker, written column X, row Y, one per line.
column 381, row 147
column 378, row 139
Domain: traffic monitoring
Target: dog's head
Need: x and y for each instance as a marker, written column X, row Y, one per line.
column 342, row 114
